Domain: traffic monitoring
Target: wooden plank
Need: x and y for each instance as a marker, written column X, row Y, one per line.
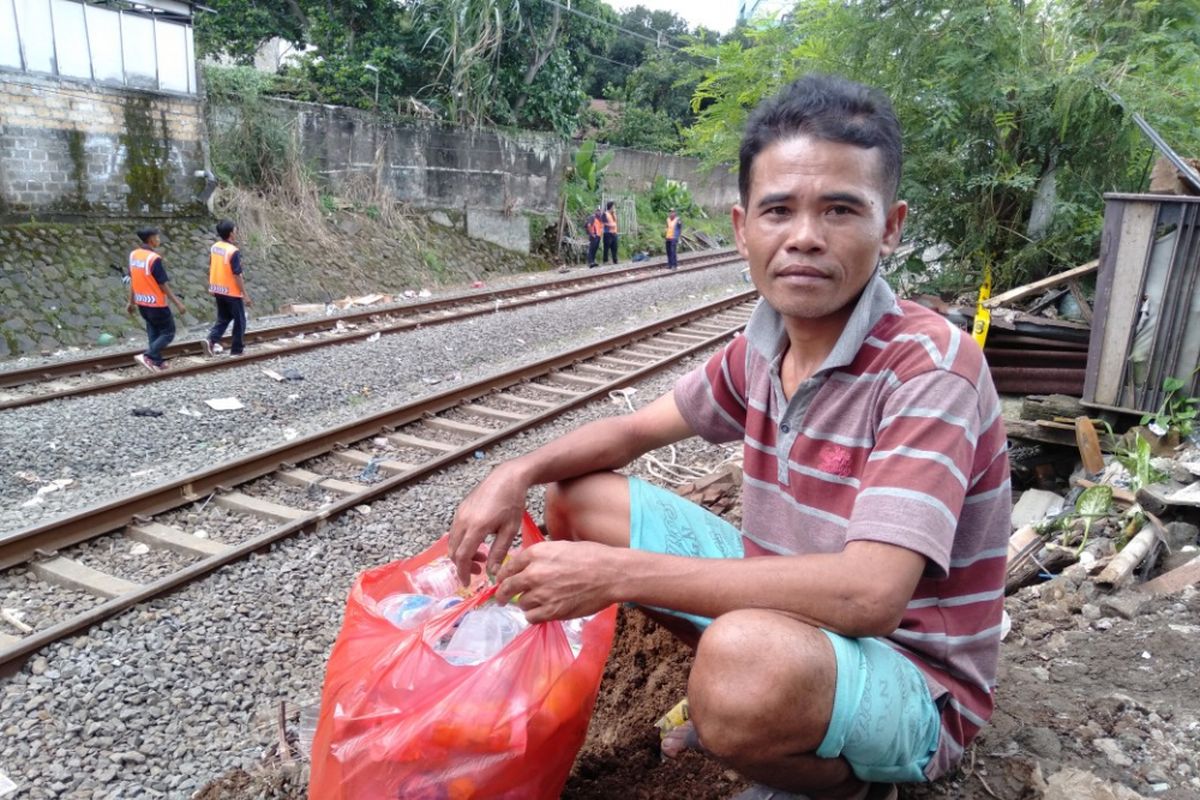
column 1085, row 308
column 540, row 405
column 578, row 380
column 72, row 574
column 601, row 371
column 1176, row 580
column 1114, row 212
column 1038, row 286
column 456, row 426
column 408, row 440
column 360, row 459
column 236, row 501
column 683, row 337
column 173, row 539
column 1024, row 429
column 621, row 362
column 304, row 478
column 1089, row 445
column 555, row 390
column 1137, row 234
column 659, row 350
column 493, row 413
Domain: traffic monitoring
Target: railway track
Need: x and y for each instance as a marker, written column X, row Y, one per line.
column 192, row 526
column 116, row 371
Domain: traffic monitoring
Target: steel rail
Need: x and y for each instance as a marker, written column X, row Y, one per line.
column 121, row 359
column 476, row 309
column 95, row 521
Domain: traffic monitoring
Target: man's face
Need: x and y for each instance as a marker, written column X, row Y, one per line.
column 154, row 240
column 816, row 223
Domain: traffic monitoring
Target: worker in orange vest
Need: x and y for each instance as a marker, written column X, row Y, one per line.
column 149, row 292
column 228, row 289
column 595, row 230
column 673, row 232
column 610, row 233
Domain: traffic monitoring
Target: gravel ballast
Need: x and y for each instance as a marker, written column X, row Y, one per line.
column 159, row 700
column 96, row 442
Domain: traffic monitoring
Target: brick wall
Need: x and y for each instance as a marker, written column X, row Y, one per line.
column 71, row 149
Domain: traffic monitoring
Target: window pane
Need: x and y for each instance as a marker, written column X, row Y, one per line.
column 137, row 43
column 10, row 45
column 37, row 35
column 191, row 60
column 172, row 57
column 104, row 34
column 70, row 39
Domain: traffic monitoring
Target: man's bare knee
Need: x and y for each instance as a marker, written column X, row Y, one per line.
column 592, row 508
column 761, row 687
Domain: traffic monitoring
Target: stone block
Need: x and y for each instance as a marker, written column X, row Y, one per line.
column 508, row 231
column 1035, row 505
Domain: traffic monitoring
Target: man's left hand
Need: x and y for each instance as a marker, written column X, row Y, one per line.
column 559, row 580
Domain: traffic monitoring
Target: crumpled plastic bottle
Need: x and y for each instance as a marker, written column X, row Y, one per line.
column 406, row 610
column 484, row 632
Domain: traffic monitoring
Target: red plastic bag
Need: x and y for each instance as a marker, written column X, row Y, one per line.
column 399, row 721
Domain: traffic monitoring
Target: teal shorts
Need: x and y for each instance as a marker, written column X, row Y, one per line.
column 884, row 722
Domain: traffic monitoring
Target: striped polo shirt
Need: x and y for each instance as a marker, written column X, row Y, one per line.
column 897, row 438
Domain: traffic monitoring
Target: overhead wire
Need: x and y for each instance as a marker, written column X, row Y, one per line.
column 658, row 42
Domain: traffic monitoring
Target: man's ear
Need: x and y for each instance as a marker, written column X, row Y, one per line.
column 893, row 227
column 738, row 215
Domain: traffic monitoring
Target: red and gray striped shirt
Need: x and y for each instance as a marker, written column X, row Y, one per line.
column 897, row 438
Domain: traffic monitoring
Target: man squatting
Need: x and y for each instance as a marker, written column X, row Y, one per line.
column 847, row 637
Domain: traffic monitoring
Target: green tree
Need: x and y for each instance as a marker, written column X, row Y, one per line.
column 1011, row 134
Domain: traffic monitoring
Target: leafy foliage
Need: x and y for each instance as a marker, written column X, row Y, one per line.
column 1012, row 129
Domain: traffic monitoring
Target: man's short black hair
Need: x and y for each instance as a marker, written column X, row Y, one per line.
column 610, row 204
column 145, row 233
column 225, row 228
column 830, row 108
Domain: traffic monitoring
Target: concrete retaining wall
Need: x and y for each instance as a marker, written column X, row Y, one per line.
column 70, row 149
column 635, row 171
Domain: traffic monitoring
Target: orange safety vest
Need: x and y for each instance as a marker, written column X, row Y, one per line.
column 220, row 270
column 672, row 227
column 146, row 291
column 610, row 222
column 595, row 226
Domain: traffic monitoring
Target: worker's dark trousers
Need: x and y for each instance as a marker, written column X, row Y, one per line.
column 610, row 244
column 593, row 246
column 672, row 261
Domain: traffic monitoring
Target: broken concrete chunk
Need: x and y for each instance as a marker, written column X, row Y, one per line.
column 1034, row 506
column 1127, row 605
column 1078, row 784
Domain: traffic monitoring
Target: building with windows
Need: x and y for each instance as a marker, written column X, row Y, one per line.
column 99, row 109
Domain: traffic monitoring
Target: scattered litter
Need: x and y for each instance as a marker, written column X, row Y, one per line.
column 424, row 293
column 293, row 397
column 142, row 411
column 542, row 293
column 479, row 455
column 13, row 617
column 201, row 534
column 370, row 470
column 292, row 374
column 289, row 434
column 51, row 487
column 341, row 326
column 6, row 785
column 431, row 381
column 141, row 473
column 187, row 412
column 27, row 476
column 409, row 293
column 224, row 404
column 139, row 549
column 374, row 337
column 272, row 374
column 379, row 441
column 1146, row 654
column 476, row 284
column 364, row 509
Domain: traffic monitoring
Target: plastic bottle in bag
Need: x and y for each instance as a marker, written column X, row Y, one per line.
column 438, row 578
column 483, row 633
column 407, row 610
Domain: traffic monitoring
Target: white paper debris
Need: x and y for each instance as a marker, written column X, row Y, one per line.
column 289, row 434
column 201, row 534
column 187, row 412
column 364, row 509
column 374, row 337
column 6, row 785
column 424, row 293
column 224, row 404
column 272, row 374
column 139, row 549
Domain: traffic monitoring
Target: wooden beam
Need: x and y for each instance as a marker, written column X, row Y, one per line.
column 72, row 574
column 408, row 440
column 454, row 426
column 1037, row 286
column 236, row 501
column 360, row 459
column 167, row 538
column 540, row 405
column 304, row 479
column 493, row 413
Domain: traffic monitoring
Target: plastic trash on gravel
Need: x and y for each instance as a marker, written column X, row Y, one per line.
column 433, row 691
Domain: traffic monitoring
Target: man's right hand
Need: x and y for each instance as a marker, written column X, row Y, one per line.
column 493, row 508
